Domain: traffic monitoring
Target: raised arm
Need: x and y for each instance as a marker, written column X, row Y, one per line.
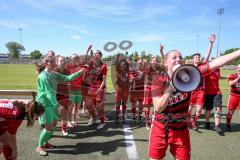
column 85, row 57
column 223, row 60
column 162, row 54
column 211, row 40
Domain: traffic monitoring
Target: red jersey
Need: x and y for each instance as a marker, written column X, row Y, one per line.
column 138, row 79
column 235, row 89
column 76, row 83
column 94, row 74
column 153, row 72
column 178, row 103
column 212, row 82
column 123, row 78
column 202, row 84
column 62, row 87
column 12, row 115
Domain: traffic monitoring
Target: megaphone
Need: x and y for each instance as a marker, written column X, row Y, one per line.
column 186, row 78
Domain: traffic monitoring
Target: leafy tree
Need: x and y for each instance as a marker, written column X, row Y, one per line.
column 134, row 56
column 36, row 54
column 236, row 62
column 187, row 58
column 14, row 49
column 143, row 55
column 108, row 58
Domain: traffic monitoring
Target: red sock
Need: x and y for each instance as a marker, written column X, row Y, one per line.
column 194, row 121
column 124, row 107
column 7, row 152
column 229, row 118
column 92, row 112
column 147, row 112
column 134, row 111
column 101, row 119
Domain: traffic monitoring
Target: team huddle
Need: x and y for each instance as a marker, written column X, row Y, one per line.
column 65, row 87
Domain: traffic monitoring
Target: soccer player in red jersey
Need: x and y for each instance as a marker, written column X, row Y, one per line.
column 169, row 126
column 213, row 98
column 75, row 88
column 137, row 89
column 234, row 99
column 96, row 78
column 122, row 86
column 153, row 69
column 12, row 114
column 198, row 95
column 63, row 94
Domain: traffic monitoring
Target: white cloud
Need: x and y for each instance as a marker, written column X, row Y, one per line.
column 43, row 5
column 113, row 10
column 76, row 28
column 76, row 37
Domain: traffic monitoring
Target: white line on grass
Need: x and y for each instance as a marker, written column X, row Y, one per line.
column 130, row 144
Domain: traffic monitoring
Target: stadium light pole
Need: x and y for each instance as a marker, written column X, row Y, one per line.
column 20, row 34
column 220, row 11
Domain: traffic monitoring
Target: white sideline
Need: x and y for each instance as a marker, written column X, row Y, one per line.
column 129, row 140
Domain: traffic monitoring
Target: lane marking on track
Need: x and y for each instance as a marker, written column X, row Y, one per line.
column 130, row 144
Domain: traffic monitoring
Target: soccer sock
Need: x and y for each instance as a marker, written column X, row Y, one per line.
column 140, row 110
column 7, row 152
column 147, row 112
column 195, row 118
column 101, row 119
column 229, row 118
column 92, row 112
column 44, row 137
column 124, row 107
column 101, row 114
column 134, row 111
column 117, row 111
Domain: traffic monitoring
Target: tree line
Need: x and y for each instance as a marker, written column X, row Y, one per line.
column 14, row 50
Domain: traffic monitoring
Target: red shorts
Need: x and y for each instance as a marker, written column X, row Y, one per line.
column 3, row 126
column 92, row 93
column 179, row 141
column 147, row 95
column 12, row 126
column 9, row 125
column 197, row 97
column 63, row 101
column 122, row 94
column 137, row 95
column 84, row 90
column 233, row 103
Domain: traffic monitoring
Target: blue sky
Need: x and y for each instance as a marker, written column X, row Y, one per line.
column 69, row 26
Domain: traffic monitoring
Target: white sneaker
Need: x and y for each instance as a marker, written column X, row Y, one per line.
column 101, row 125
column 41, row 151
column 69, row 125
column 148, row 126
column 73, row 123
column 65, row 132
column 83, row 112
column 91, row 122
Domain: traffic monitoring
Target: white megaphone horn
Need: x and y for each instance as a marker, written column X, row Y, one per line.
column 186, row 78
